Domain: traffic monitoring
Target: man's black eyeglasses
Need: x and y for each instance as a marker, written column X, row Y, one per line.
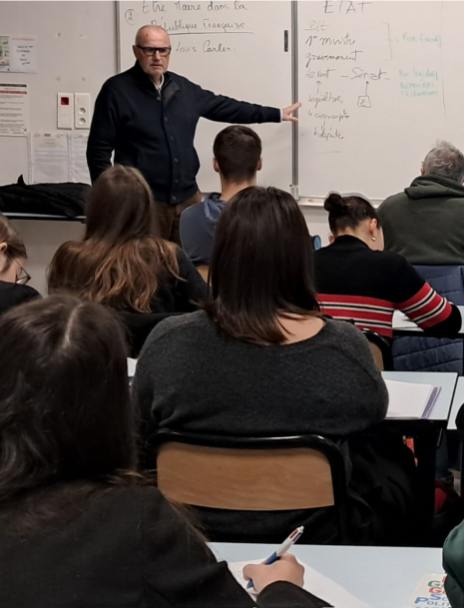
column 152, row 50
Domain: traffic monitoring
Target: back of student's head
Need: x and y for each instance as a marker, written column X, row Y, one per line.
column 65, row 413
column 444, row 160
column 347, row 212
column 120, row 206
column 11, row 245
column 237, row 151
column 121, row 261
column 261, row 265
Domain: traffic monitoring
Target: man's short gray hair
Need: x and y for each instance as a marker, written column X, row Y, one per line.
column 444, row 160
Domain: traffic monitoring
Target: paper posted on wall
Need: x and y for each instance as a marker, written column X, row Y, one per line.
column 57, row 157
column 14, row 109
column 18, row 53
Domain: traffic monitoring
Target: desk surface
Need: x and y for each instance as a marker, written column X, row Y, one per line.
column 446, row 380
column 401, row 323
column 382, row 577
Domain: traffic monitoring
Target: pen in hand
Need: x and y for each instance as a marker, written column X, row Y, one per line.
column 283, row 548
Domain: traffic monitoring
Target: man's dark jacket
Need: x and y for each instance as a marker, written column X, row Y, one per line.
column 155, row 132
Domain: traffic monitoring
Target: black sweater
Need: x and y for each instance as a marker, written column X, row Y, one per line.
column 155, row 132
column 357, row 284
column 12, row 294
column 121, row 548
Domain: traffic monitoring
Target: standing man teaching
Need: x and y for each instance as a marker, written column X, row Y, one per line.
column 148, row 117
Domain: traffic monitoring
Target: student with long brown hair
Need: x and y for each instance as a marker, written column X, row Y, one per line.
column 261, row 360
column 79, row 524
column 121, row 262
column 13, row 275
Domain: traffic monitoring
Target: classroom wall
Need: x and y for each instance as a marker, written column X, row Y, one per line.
column 77, row 52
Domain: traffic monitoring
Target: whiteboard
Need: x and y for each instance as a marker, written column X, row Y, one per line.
column 380, row 83
column 234, row 48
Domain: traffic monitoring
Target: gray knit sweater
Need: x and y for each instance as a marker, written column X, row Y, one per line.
column 190, row 377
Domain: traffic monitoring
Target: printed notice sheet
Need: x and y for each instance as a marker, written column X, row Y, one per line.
column 58, row 157
column 14, row 109
column 18, row 53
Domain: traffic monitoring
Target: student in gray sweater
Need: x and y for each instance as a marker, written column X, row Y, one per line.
column 261, row 360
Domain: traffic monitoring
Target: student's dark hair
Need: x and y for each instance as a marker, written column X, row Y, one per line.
column 348, row 211
column 65, row 413
column 261, row 265
column 237, row 150
column 15, row 247
column 122, row 261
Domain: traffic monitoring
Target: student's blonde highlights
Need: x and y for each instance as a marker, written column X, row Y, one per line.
column 121, row 260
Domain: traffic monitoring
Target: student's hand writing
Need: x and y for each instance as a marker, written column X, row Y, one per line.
column 284, row 569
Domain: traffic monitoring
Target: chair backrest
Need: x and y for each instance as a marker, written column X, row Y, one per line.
column 380, row 349
column 427, row 353
column 252, row 474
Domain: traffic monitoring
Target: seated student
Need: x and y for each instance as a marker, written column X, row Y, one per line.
column 261, row 360
column 80, row 525
column 121, row 262
column 425, row 222
column 357, row 281
column 237, row 158
column 453, row 563
column 13, row 275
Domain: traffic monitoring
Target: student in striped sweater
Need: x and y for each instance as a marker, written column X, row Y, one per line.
column 357, row 281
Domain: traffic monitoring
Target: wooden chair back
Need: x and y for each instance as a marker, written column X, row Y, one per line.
column 268, row 479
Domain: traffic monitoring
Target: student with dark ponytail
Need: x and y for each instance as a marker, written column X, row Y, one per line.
column 357, row 281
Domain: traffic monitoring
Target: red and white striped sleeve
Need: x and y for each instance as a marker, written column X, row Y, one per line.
column 426, row 307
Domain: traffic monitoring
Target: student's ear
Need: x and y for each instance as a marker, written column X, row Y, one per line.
column 3, row 247
column 215, row 165
column 422, row 169
column 331, row 238
column 373, row 227
column 259, row 166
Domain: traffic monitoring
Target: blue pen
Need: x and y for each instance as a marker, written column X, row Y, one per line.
column 284, row 547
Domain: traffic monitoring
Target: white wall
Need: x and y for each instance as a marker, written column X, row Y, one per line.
column 76, row 53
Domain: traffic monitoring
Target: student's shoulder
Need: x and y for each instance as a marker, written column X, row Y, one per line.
column 12, row 294
column 342, row 331
column 345, row 336
column 193, row 213
column 127, row 502
column 198, row 210
column 392, row 201
column 391, row 263
column 188, row 323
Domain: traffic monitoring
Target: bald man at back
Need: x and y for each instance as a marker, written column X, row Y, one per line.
column 148, row 115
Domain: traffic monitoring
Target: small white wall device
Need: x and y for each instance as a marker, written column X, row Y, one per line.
column 82, row 110
column 65, row 110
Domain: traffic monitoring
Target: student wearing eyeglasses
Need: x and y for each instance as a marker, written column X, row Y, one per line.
column 148, row 116
column 13, row 275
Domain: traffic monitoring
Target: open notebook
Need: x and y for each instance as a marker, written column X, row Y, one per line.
column 410, row 399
